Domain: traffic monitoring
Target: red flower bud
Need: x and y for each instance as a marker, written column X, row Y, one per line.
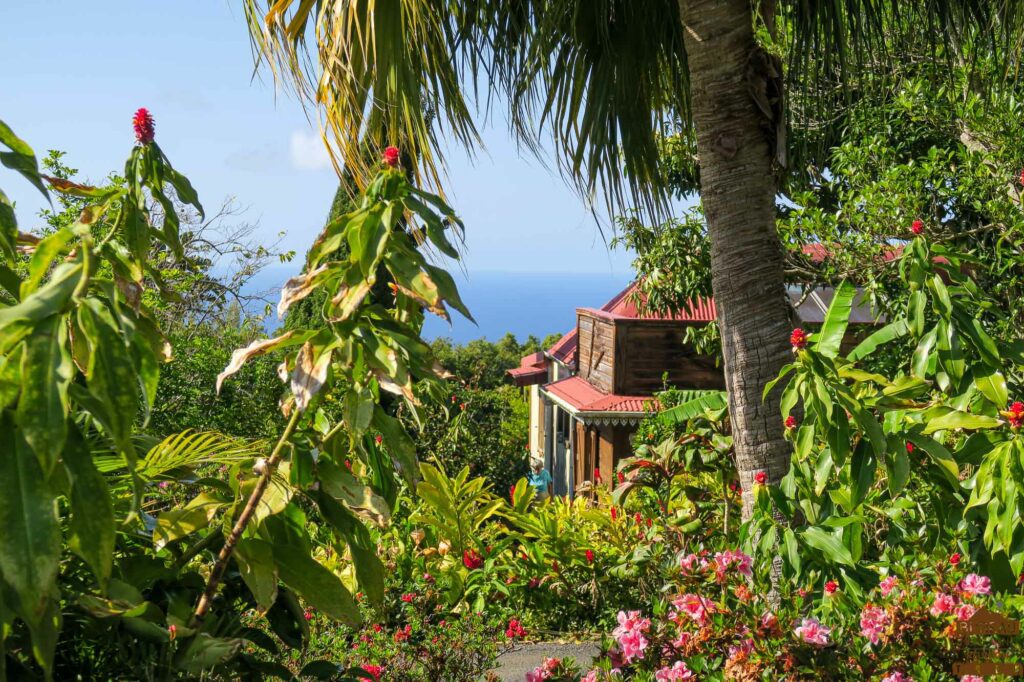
column 910, row 448
column 590, row 556
column 798, row 339
column 760, row 478
column 790, row 422
column 831, row 586
column 954, row 558
column 597, row 475
column 917, row 227
column 391, row 156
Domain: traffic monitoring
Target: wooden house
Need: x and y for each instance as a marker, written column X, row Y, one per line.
column 590, row 390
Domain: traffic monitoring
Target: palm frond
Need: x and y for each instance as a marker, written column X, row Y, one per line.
column 184, row 450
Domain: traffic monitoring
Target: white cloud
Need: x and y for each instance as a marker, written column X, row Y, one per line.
column 307, row 151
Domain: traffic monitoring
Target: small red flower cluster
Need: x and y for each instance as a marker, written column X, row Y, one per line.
column 831, row 587
column 790, row 422
column 954, row 558
column 515, row 630
column 590, row 556
column 621, row 476
column 597, row 475
column 403, row 634
column 145, row 129
column 408, row 597
column 1015, row 414
column 798, row 339
column 910, row 448
column 614, row 513
column 917, row 227
column 378, row 439
column 472, row 560
column 391, row 156
column 374, row 671
column 760, row 478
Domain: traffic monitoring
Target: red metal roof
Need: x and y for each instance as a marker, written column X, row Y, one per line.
column 585, row 397
column 533, row 369
column 564, row 349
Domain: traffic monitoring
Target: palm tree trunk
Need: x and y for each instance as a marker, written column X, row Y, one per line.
column 737, row 188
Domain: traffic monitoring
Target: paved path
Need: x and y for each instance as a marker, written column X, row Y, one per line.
column 513, row 666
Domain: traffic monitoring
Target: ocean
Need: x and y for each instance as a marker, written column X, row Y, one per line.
column 524, row 303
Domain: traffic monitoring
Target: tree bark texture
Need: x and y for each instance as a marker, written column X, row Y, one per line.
column 737, row 188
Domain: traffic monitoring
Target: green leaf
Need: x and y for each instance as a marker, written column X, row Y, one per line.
column 886, row 334
column 46, row 372
column 698, row 407
column 958, row 419
column 992, row 385
column 175, row 524
column 398, row 444
column 21, row 158
column 345, row 488
column 50, row 299
column 833, row 329
column 317, row 585
column 897, row 471
column 255, row 559
column 792, row 549
column 29, row 532
column 919, row 363
column 110, row 376
column 915, row 311
column 449, row 292
column 92, row 528
column 369, row 569
column 940, row 455
column 829, row 545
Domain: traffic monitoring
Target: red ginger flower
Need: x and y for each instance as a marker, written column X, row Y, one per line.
column 954, row 558
column 391, row 156
column 472, row 560
column 142, row 121
column 621, row 476
column 515, row 630
column 614, row 513
column 597, row 475
column 910, row 448
column 590, row 556
column 374, row 671
column 760, row 478
column 378, row 439
column 917, row 227
column 408, row 597
column 798, row 339
column 790, row 422
column 1015, row 415
column 831, row 587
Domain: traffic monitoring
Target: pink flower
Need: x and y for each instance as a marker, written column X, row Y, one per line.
column 142, row 121
column 695, row 606
column 678, row 671
column 590, row 676
column 888, row 585
column 874, row 621
column 917, row 227
column 972, row 678
column 682, row 640
column 965, row 611
column 391, row 158
column 544, row 670
column 308, row 614
column 975, row 584
column 744, row 647
column 373, row 670
column 769, row 621
column 732, row 558
column 897, row 677
column 813, row 632
column 944, row 603
column 798, row 339
column 831, row 587
column 630, row 635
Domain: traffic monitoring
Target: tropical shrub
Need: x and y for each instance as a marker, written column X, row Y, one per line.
column 889, row 467
column 158, row 581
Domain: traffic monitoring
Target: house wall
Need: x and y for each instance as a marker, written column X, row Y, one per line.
column 648, row 350
column 596, row 350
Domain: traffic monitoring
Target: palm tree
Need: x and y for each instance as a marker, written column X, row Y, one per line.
column 607, row 79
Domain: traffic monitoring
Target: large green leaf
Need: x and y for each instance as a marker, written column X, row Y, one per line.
column 255, row 559
column 833, row 329
column 29, row 531
column 947, row 418
column 92, row 513
column 992, row 385
column 110, row 376
column 710, row 401
column 886, row 334
column 398, row 444
column 369, row 569
column 46, row 373
column 175, row 524
column 21, row 157
column 829, row 545
column 315, row 583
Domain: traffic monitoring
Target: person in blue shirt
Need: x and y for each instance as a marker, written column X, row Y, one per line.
column 540, row 479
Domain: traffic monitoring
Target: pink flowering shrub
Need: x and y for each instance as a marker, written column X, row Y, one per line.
column 719, row 624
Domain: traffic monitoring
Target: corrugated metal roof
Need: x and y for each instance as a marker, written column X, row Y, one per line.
column 583, row 396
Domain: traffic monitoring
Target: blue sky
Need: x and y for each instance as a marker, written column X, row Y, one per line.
column 72, row 73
